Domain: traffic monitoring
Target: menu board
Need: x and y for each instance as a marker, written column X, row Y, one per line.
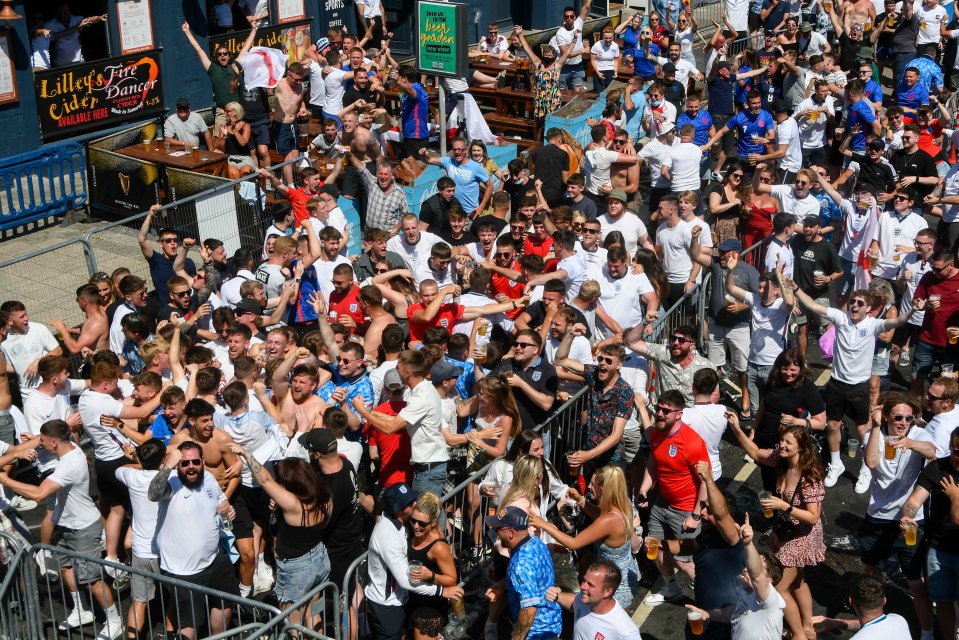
column 136, row 27
column 289, row 10
column 8, row 74
column 99, row 94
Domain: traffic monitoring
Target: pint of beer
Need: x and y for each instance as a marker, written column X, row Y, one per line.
column 890, row 447
column 652, row 549
column 765, row 495
column 910, row 535
column 695, row 620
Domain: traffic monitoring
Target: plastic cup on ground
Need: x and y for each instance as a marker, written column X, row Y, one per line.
column 852, row 447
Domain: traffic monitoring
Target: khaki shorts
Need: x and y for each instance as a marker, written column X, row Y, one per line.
column 143, row 588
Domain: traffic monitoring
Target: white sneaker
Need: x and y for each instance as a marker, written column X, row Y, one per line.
column 22, row 504
column 833, row 472
column 77, row 618
column 262, row 579
column 47, row 566
column 865, row 479
column 667, row 592
column 112, row 629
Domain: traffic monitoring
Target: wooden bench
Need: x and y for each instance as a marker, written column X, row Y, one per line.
column 510, row 124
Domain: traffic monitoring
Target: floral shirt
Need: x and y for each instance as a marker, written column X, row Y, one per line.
column 602, row 409
column 546, row 91
column 673, row 376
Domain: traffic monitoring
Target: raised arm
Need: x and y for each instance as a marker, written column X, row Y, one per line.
column 146, row 247
column 754, row 563
column 248, row 42
column 201, row 54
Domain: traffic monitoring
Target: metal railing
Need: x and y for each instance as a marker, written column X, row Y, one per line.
column 561, row 432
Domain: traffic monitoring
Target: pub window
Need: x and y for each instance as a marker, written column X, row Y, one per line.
column 90, row 42
column 224, row 16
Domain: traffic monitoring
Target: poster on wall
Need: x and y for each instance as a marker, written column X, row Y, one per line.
column 8, row 74
column 293, row 38
column 439, row 26
column 98, row 94
column 122, row 185
column 289, row 11
column 136, row 27
column 338, row 14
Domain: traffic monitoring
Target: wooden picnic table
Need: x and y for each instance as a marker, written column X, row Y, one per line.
column 200, row 161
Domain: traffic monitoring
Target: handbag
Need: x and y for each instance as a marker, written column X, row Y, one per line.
column 783, row 526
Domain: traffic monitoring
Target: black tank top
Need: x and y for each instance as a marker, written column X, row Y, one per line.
column 232, row 146
column 294, row 541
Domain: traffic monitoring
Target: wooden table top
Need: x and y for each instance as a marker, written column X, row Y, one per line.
column 174, row 157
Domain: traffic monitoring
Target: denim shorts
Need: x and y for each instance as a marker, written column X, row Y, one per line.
column 942, row 575
column 296, row 576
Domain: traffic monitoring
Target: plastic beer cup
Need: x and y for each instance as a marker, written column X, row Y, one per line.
column 910, row 535
column 852, row 446
column 765, row 495
column 652, row 547
column 695, row 620
column 890, row 447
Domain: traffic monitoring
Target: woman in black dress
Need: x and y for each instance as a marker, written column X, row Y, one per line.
column 427, row 614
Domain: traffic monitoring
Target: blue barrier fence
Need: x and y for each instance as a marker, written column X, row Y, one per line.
column 38, row 184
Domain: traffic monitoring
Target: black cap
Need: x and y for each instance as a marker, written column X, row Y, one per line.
column 669, row 67
column 769, row 33
column 811, row 221
column 248, row 306
column 182, row 103
column 318, row 440
column 397, row 497
column 878, row 144
column 724, row 64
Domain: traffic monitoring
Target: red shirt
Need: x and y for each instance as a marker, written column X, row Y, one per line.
column 539, row 248
column 349, row 305
column 513, row 290
column 929, row 136
column 947, row 315
column 676, row 457
column 394, row 449
column 298, row 199
column 448, row 314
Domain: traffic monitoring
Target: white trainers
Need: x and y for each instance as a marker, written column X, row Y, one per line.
column 47, row 565
column 112, row 628
column 865, row 479
column 22, row 504
column 669, row 591
column 77, row 618
column 262, row 578
column 833, row 472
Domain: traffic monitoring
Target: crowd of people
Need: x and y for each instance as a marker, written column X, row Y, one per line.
column 308, row 403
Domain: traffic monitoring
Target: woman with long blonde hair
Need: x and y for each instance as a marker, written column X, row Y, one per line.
column 611, row 531
column 427, row 545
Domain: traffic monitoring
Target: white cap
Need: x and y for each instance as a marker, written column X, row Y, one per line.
column 665, row 128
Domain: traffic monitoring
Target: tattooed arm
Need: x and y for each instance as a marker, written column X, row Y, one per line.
column 159, row 486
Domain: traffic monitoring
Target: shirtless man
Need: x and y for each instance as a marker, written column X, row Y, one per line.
column 218, row 458
column 293, row 394
column 624, row 176
column 94, row 333
column 289, row 106
column 363, row 145
column 371, row 304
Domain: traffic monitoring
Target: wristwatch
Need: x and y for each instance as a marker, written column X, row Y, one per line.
column 696, row 516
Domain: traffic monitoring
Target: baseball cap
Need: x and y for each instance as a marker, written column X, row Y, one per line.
column 769, row 33
column 730, row 245
column 811, row 221
column 724, row 64
column 443, row 370
column 397, row 497
column 391, row 380
column 318, row 440
column 182, row 103
column 665, row 128
column 512, row 517
column 248, row 306
column 617, row 194
column 877, row 143
column 322, row 44
column 669, row 67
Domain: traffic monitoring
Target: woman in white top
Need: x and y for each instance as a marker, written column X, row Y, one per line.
column 685, row 34
column 605, row 57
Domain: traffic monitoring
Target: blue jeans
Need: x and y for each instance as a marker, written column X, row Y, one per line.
column 296, row 576
column 925, row 356
column 901, row 62
column 432, row 481
column 942, row 575
column 756, row 376
column 572, row 75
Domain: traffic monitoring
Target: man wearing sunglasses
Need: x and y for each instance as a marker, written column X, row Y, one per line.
column 676, row 363
column 161, row 263
column 941, row 402
column 817, row 265
column 937, row 486
column 847, row 392
column 570, row 36
column 896, row 231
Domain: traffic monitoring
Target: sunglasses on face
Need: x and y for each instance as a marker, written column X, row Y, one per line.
column 166, row 240
column 906, row 418
column 858, row 303
column 181, row 294
column 738, row 175
column 524, row 345
column 191, row 463
column 500, row 254
column 419, row 523
column 932, row 397
column 801, row 183
column 679, row 339
column 380, row 270
column 605, row 360
column 619, row 142
column 590, row 231
column 665, row 410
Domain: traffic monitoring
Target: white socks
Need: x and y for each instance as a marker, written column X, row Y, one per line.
column 835, row 459
column 77, row 600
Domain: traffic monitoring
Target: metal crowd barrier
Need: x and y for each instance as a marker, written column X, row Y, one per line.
column 561, row 432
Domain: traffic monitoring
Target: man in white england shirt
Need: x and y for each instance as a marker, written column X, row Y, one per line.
column 617, row 218
column 77, row 523
column 23, row 347
column 897, row 229
column 795, row 199
column 627, row 298
column 188, row 538
column 788, row 148
column 779, row 255
column 596, row 614
column 686, row 160
column 847, row 392
column 673, row 241
column 571, row 268
column 439, row 267
column 412, row 244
